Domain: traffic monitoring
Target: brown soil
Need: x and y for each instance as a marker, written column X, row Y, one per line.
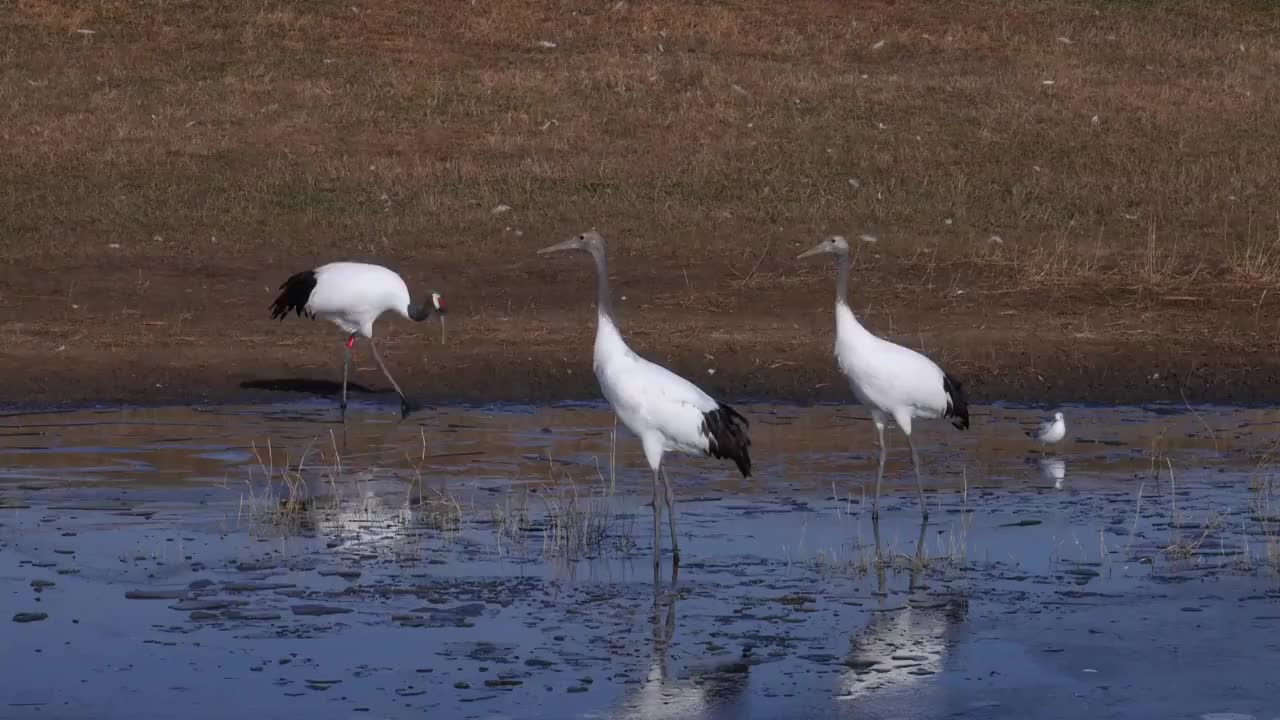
column 1072, row 201
column 522, row 330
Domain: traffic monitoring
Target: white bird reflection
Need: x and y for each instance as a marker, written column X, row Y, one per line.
column 905, row 643
column 663, row 694
column 1053, row 470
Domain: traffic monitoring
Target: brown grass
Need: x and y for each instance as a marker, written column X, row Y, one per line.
column 140, row 141
column 393, row 129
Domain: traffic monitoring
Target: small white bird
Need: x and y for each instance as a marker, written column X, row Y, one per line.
column 352, row 296
column 891, row 380
column 1050, row 432
column 667, row 412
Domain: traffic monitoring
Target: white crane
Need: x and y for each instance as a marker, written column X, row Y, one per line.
column 891, row 380
column 667, row 412
column 352, row 296
column 1050, row 432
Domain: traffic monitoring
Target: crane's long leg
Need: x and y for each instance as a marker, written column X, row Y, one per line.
column 657, row 525
column 884, row 450
column 671, row 516
column 346, row 366
column 915, row 461
column 918, row 565
column 879, row 559
column 404, row 403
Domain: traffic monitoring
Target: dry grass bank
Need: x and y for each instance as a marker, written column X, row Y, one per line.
column 168, row 163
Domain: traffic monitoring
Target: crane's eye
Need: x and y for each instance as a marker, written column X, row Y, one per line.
column 582, row 237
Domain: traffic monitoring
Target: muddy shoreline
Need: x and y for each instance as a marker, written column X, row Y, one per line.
column 524, row 340
column 1116, row 378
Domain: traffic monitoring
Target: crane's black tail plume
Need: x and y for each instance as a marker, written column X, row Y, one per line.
column 957, row 405
column 726, row 432
column 294, row 294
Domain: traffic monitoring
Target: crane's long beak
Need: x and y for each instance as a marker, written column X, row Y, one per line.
column 816, row 249
column 443, row 336
column 560, row 247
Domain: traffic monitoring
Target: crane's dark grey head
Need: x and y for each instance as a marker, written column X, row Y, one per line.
column 589, row 241
column 421, row 311
column 836, row 245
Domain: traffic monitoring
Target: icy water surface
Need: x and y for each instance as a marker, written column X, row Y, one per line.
column 496, row 563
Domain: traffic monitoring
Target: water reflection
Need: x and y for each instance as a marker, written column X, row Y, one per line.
column 441, row 525
column 1053, row 470
column 906, row 641
column 705, row 690
column 522, row 445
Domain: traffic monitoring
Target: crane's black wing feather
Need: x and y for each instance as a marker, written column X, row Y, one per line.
column 294, row 295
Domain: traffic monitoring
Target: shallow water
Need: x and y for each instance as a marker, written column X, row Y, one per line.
column 487, row 562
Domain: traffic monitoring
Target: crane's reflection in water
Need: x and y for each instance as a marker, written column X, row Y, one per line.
column 719, row 691
column 906, row 643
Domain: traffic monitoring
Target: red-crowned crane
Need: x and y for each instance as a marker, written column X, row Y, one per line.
column 667, row 412
column 352, row 296
column 891, row 380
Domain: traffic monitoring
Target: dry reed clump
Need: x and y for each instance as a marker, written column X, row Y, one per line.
column 571, row 526
column 426, row 506
column 282, row 498
column 1212, row 537
column 879, row 554
column 291, row 499
column 861, row 559
column 574, row 523
column 1265, row 509
column 277, row 502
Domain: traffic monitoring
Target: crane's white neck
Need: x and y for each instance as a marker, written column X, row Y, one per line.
column 609, row 342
